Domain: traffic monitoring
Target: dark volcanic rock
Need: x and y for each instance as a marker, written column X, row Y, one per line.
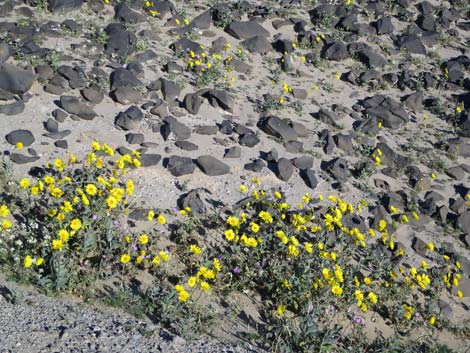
column 192, row 102
column 72, row 105
column 392, row 158
column 257, row 44
column 256, row 166
column 277, row 127
column 14, row 79
column 384, row 26
column 179, row 166
column 411, row 43
column 335, row 51
column 192, row 200
column 212, row 166
column 23, row 136
column 310, row 178
column 233, row 152
column 186, row 145
column 386, row 110
column 14, row 108
column 173, row 129
column 284, row 169
column 245, row 30
column 129, row 119
column 149, row 160
column 338, row 168
column 22, row 159
column 249, row 140
column 58, row 5
column 220, row 98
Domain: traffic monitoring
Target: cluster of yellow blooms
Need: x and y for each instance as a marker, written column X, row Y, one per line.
column 68, row 198
column 202, row 278
column 5, row 223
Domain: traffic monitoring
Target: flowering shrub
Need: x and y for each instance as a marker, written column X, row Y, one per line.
column 322, row 268
column 67, row 217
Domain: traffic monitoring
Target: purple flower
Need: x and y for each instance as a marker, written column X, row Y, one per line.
column 236, row 270
column 134, row 247
column 359, row 320
column 94, row 217
column 330, row 310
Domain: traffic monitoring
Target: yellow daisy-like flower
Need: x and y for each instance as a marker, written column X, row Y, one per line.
column 39, row 261
column 19, row 145
column 130, row 187
column 57, row 192
column 63, row 235
column 57, row 244
column 183, row 296
column 161, row 219
column 24, row 183
column 95, row 146
column 4, row 211
column 337, row 290
column 150, row 215
column 229, row 234
column 164, row 255
column 91, row 189
column 28, row 261
column 6, row 224
column 281, row 309
column 192, row 281
column 111, row 202
column 216, row 264
column 196, row 250
column 125, row 258
column 75, row 224
column 144, row 239
column 205, row 286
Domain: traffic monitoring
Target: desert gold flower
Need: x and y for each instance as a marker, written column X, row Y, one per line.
column 372, row 297
column 161, row 219
column 57, row 244
column 144, row 239
column 27, row 261
column 254, row 227
column 57, row 192
column 125, row 258
column 4, row 211
column 196, row 250
column 19, row 145
column 308, row 247
column 75, row 224
column 337, row 290
column 216, row 264
column 233, row 221
column 91, row 189
column 63, row 235
column 164, row 255
column 192, row 281
column 183, row 296
column 150, row 215
column 111, row 202
column 243, row 188
column 130, row 187
column 229, row 234
column 281, row 309
column 24, row 183
column 39, row 261
column 205, row 286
